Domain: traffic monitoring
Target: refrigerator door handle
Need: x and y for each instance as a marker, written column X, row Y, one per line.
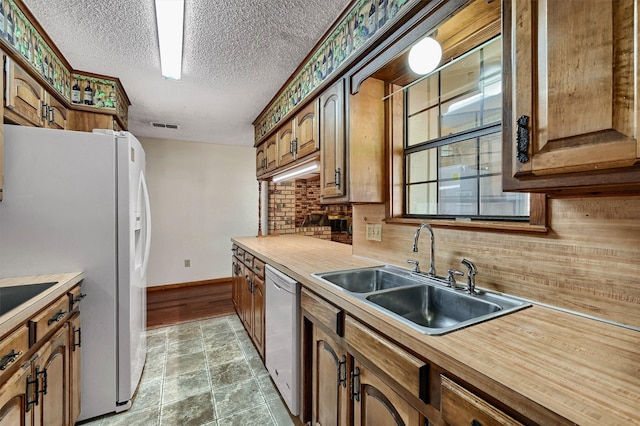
column 147, row 209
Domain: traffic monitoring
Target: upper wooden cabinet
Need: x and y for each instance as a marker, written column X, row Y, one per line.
column 352, row 153
column 298, row 137
column 24, row 97
column 571, row 100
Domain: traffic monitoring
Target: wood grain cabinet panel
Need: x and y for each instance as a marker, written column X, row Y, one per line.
column 261, row 160
column 53, row 366
column 332, row 137
column 306, row 137
column 14, row 394
column 13, row 349
column 271, row 153
column 571, row 107
column 463, row 408
column 286, row 136
column 24, row 97
column 328, row 315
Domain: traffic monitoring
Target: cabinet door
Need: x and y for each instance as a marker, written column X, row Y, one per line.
column 245, row 298
column 307, row 141
column 330, row 392
column 332, row 131
column 271, row 152
column 257, row 312
column 574, row 78
column 261, row 160
column 24, row 97
column 236, row 282
column 84, row 121
column 52, row 368
column 286, row 135
column 375, row 403
column 13, row 399
column 75, row 365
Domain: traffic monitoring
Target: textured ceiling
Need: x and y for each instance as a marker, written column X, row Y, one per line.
column 237, row 55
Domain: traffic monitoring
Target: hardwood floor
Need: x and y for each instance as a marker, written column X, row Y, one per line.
column 178, row 303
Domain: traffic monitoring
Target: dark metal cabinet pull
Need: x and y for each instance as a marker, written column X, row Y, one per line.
column 522, row 139
column 474, row 422
column 77, row 343
column 355, row 384
column 342, row 372
column 57, row 317
column 35, row 393
column 44, row 375
column 9, row 358
column 337, row 177
column 79, row 298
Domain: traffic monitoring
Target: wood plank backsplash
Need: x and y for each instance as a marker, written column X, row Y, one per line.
column 588, row 262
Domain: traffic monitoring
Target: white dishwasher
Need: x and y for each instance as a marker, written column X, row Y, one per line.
column 282, row 335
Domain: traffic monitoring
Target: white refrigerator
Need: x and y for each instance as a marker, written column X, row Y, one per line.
column 78, row 201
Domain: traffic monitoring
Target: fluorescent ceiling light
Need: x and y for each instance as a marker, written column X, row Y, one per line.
column 305, row 169
column 170, row 20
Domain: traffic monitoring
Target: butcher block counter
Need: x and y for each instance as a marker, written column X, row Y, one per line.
column 63, row 283
column 551, row 366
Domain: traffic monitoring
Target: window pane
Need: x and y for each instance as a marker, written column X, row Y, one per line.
column 458, row 159
column 423, row 127
column 423, row 199
column 461, row 76
column 423, row 95
column 462, row 113
column 422, row 166
column 491, row 154
column 494, row 202
column 458, row 197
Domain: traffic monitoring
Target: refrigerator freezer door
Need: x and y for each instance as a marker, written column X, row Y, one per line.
column 134, row 235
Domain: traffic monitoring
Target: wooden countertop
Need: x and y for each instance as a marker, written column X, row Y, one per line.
column 551, row 362
column 21, row 313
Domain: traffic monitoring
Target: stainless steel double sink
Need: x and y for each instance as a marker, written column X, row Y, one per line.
column 422, row 302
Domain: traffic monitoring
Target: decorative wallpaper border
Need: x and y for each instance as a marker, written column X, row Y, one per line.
column 364, row 19
column 99, row 92
column 21, row 36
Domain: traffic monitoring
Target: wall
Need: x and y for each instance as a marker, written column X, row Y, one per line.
column 201, row 196
column 588, row 262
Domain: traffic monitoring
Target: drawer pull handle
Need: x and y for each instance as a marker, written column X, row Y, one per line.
column 44, row 375
column 9, row 358
column 474, row 422
column 79, row 298
column 57, row 317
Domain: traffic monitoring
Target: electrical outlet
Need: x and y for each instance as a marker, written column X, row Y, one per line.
column 374, row 231
column 187, row 263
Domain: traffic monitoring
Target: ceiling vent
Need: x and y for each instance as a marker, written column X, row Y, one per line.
column 165, row 125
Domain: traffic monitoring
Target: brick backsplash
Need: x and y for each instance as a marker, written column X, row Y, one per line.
column 291, row 202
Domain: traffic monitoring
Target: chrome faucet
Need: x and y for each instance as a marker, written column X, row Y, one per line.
column 471, row 282
column 432, row 268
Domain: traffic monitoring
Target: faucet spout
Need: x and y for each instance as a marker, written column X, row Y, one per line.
column 416, row 237
column 471, row 274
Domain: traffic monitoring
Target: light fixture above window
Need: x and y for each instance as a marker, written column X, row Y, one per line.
column 170, row 22
column 425, row 56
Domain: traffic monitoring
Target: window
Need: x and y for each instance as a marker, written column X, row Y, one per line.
column 453, row 142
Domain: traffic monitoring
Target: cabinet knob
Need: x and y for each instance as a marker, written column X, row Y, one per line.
column 522, row 139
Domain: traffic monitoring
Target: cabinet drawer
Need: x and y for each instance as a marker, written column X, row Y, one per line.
column 240, row 253
column 13, row 347
column 48, row 319
column 408, row 371
column 258, row 267
column 461, row 407
column 75, row 295
column 330, row 316
column 248, row 259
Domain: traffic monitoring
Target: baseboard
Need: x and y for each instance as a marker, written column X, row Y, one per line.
column 182, row 302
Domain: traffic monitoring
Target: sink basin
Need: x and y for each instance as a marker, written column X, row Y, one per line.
column 366, row 280
column 433, row 307
column 422, row 302
column 12, row 297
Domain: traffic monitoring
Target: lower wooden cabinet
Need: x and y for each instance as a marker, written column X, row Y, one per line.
column 342, row 388
column 329, row 368
column 376, row 403
column 248, row 293
column 40, row 385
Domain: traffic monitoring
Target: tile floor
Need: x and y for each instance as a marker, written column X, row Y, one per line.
column 202, row 373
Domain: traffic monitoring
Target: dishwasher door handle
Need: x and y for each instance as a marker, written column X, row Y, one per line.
column 277, row 286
